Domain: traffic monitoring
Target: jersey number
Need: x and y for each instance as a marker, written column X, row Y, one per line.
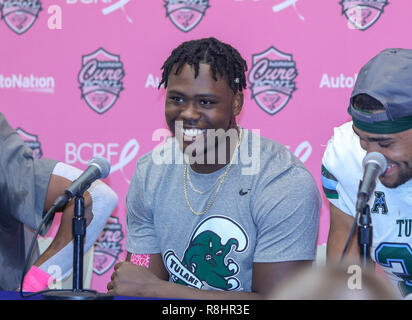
column 397, row 257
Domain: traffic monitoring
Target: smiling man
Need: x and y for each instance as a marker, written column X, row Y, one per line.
column 211, row 231
column 381, row 110
column 202, row 133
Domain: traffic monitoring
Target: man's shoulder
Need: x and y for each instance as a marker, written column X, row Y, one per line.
column 268, row 148
column 342, row 161
column 159, row 159
column 344, row 133
column 343, row 147
column 5, row 128
column 277, row 163
column 145, row 160
column 276, row 157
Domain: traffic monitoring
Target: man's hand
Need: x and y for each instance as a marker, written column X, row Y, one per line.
column 131, row 280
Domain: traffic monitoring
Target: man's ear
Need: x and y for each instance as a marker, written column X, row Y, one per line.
column 237, row 103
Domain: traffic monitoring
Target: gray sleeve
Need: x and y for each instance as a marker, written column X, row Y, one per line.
column 141, row 235
column 26, row 179
column 286, row 211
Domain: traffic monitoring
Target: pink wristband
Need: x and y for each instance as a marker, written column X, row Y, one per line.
column 140, row 259
column 36, row 280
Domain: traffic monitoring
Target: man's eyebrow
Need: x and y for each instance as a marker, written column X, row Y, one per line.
column 201, row 95
column 206, row 95
column 378, row 139
column 175, row 92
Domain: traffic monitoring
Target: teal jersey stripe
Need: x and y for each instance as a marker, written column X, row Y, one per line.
column 329, row 184
column 327, row 174
column 330, row 194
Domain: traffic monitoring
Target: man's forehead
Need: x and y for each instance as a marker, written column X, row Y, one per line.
column 190, row 68
column 187, row 67
column 204, row 82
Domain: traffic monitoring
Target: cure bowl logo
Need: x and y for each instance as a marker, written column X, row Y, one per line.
column 272, row 79
column 108, row 247
column 101, row 79
column 32, row 142
column 20, row 15
column 362, row 14
column 186, row 14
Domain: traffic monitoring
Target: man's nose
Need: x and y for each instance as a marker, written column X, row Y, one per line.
column 190, row 112
column 373, row 147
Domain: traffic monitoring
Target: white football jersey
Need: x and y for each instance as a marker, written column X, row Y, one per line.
column 391, row 209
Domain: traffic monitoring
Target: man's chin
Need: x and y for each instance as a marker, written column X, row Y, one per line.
column 193, row 155
column 393, row 184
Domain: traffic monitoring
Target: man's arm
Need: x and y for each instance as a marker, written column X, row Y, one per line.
column 100, row 201
column 131, row 280
column 340, row 227
column 64, row 235
column 156, row 265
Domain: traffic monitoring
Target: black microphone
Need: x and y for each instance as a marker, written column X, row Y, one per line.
column 374, row 164
column 99, row 168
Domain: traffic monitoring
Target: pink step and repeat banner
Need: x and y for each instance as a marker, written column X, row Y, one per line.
column 78, row 78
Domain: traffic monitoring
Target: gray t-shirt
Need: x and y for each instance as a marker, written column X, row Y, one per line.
column 268, row 214
column 23, row 187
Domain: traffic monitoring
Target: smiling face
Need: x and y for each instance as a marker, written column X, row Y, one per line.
column 198, row 104
column 397, row 149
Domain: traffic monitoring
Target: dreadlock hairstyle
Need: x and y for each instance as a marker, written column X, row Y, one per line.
column 221, row 57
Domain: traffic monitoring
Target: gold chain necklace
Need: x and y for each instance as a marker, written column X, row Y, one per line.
column 198, row 191
column 219, row 185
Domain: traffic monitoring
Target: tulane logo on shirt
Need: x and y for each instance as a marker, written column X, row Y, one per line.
column 205, row 261
column 379, row 204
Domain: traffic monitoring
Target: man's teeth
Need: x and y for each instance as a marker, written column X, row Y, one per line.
column 389, row 167
column 192, row 132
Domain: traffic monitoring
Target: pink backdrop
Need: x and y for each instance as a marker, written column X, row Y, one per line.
column 312, row 44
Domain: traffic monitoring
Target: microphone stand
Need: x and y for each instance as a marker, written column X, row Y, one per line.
column 79, row 232
column 365, row 231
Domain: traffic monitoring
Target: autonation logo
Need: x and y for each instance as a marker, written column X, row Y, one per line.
column 27, row 83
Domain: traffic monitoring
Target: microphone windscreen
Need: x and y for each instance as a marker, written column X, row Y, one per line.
column 102, row 164
column 378, row 158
